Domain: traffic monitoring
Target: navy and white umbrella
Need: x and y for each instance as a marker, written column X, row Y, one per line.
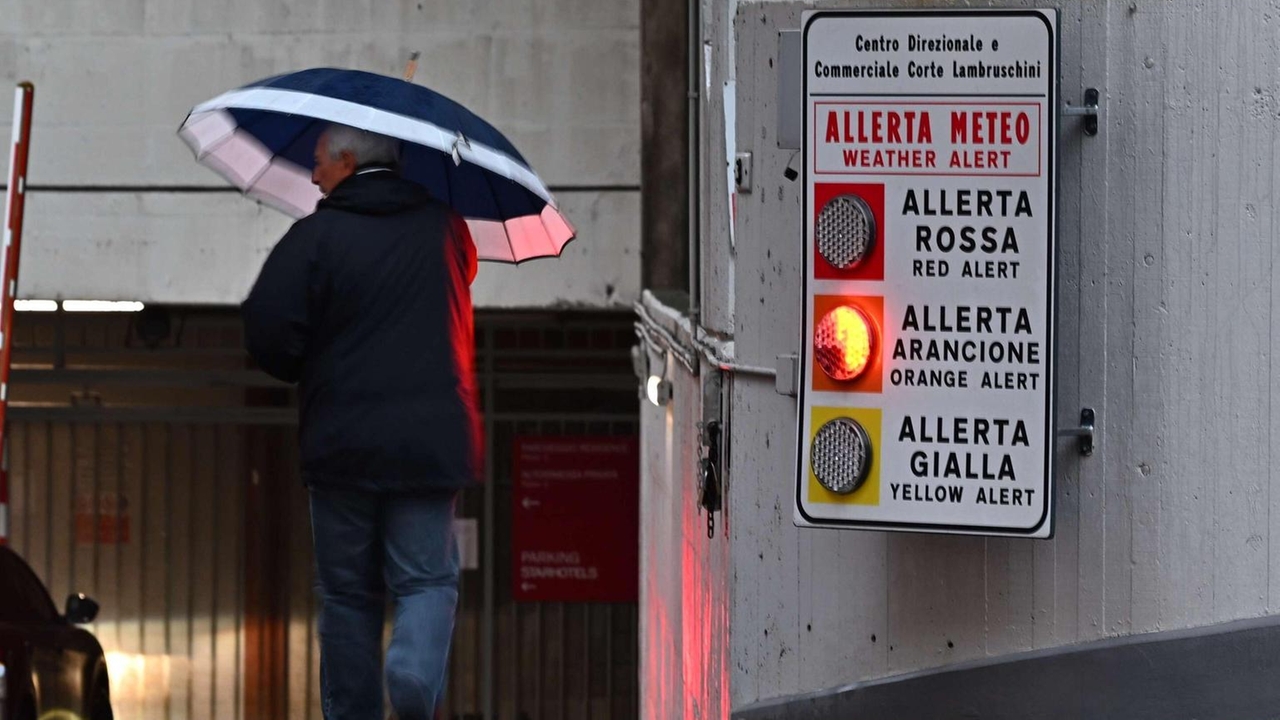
column 262, row 138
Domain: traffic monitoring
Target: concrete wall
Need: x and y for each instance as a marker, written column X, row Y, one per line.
column 684, row 575
column 1167, row 305
column 114, row 81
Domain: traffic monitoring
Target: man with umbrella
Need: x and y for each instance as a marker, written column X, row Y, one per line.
column 366, row 304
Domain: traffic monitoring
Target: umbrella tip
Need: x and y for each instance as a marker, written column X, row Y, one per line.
column 411, row 67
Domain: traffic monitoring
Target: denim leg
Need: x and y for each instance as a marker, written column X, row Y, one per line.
column 422, row 576
column 345, row 530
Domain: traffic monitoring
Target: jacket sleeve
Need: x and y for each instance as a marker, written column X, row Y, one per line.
column 277, row 322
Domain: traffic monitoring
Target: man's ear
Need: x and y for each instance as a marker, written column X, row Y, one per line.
column 348, row 159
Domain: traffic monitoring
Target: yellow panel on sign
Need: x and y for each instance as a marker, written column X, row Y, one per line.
column 869, row 492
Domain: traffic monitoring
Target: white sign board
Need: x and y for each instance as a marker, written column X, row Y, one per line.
column 926, row 395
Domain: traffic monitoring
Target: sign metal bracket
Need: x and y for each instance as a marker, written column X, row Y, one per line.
column 1083, row 434
column 1088, row 111
column 787, row 379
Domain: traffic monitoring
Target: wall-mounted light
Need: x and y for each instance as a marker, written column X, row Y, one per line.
column 657, row 387
column 650, row 362
column 35, row 305
column 658, row 390
column 84, row 306
column 98, row 306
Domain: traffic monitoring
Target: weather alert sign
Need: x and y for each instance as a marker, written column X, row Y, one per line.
column 926, row 394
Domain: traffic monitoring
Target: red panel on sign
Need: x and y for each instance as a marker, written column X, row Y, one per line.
column 575, row 519
column 872, row 267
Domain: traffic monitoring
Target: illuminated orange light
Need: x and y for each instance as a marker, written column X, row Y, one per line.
column 843, row 342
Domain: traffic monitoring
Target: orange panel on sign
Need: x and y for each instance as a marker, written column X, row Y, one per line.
column 872, row 308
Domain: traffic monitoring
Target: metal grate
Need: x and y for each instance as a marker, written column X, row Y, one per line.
column 551, row 660
column 548, row 660
column 199, row 619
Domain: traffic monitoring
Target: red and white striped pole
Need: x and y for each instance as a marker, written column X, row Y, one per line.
column 18, row 154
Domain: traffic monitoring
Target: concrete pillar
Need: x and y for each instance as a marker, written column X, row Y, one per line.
column 664, row 212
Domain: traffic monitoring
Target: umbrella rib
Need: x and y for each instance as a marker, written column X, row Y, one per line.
column 274, row 156
column 551, row 242
column 448, row 178
column 463, row 117
column 264, row 114
column 455, row 110
column 298, row 135
column 242, row 128
column 258, row 175
column 201, row 153
column 248, row 186
column 460, row 122
column 488, row 179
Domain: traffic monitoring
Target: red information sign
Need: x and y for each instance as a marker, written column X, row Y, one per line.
column 576, row 523
column 105, row 524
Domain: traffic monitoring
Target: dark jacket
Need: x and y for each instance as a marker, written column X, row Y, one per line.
column 366, row 304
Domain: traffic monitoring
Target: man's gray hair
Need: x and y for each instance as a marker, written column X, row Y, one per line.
column 366, row 147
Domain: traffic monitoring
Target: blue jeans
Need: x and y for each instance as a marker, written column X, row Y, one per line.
column 365, row 543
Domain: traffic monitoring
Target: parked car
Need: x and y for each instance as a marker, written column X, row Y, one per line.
column 49, row 668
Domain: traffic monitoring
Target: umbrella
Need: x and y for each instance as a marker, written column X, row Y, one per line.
column 262, row 138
